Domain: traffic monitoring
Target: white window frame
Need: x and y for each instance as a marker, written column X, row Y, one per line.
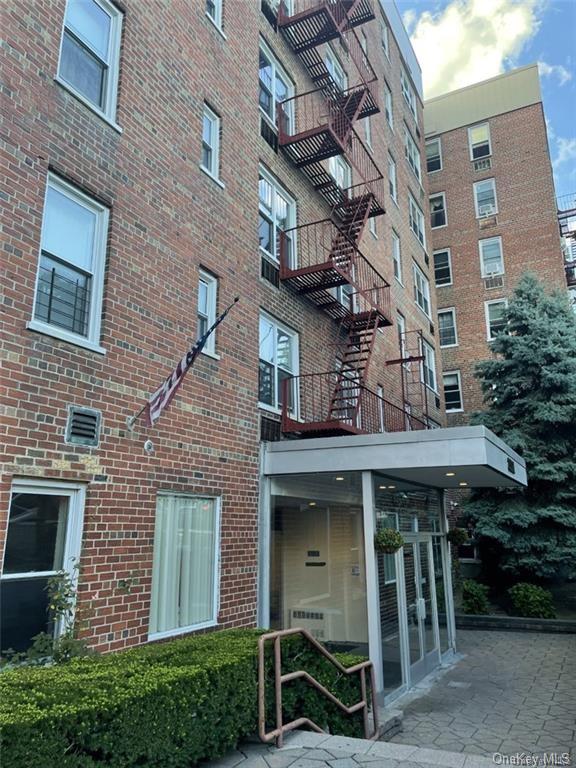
column 396, row 256
column 438, row 141
column 481, row 245
column 388, row 105
column 421, row 287
column 417, row 221
column 213, row 621
column 445, row 210
column 448, row 311
column 385, row 38
column 412, row 154
column 76, row 492
column 215, row 128
column 335, row 69
column 211, row 282
column 372, row 227
column 392, row 179
column 408, row 93
column 277, row 69
column 447, row 251
column 471, row 147
column 381, row 409
column 428, row 363
column 274, row 258
column 477, row 184
column 217, row 19
column 487, row 304
column 92, row 339
column 368, row 132
column 459, row 378
column 295, row 362
column 108, row 111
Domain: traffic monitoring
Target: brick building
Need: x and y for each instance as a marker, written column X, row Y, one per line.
column 494, row 217
column 145, row 189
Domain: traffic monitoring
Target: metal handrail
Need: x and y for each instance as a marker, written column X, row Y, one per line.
column 277, row 734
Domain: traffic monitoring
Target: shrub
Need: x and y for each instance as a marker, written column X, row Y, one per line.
column 388, row 541
column 458, row 536
column 474, row 598
column 532, row 601
column 164, row 704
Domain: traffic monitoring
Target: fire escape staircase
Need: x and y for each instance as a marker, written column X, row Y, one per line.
column 320, row 21
column 414, row 390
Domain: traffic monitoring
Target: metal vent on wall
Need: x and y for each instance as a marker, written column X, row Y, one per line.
column 270, row 272
column 269, row 134
column 83, row 426
column 269, row 429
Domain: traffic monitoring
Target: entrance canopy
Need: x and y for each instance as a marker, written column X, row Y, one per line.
column 458, row 457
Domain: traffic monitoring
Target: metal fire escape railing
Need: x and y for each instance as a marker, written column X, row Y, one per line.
column 280, row 679
column 567, row 223
column 410, row 361
column 312, row 22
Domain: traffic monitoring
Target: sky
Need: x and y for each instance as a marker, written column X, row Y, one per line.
column 460, row 42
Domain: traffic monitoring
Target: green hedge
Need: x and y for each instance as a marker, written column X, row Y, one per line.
column 164, row 704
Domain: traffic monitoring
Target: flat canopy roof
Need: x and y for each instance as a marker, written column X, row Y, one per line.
column 440, row 458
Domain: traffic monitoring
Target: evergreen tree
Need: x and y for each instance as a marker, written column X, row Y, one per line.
column 530, row 391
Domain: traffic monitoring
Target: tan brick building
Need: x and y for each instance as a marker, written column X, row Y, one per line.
column 493, row 211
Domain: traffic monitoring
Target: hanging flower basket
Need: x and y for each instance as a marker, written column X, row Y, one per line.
column 388, row 541
column 458, row 536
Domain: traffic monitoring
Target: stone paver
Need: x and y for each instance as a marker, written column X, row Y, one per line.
column 511, row 691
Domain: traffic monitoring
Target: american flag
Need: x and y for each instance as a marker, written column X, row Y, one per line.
column 162, row 398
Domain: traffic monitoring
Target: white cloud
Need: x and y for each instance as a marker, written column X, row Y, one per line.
column 557, row 70
column 471, row 40
column 566, row 152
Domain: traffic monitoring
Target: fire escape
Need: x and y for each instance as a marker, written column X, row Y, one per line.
column 567, row 222
column 315, row 129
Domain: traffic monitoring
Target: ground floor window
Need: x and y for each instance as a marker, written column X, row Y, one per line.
column 185, row 568
column 43, row 539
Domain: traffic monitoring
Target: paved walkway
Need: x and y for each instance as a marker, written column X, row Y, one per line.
column 512, row 692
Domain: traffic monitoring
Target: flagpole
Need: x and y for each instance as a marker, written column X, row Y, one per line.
column 130, row 421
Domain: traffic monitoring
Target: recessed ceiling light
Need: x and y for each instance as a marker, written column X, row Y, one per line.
column 382, row 487
column 339, row 478
column 450, row 474
column 312, row 504
column 462, row 483
column 391, row 487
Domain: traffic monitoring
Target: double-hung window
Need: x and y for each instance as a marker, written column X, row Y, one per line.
column 278, row 362
column 496, row 321
column 485, row 200
column 428, row 366
column 442, row 267
column 402, row 345
column 368, row 131
column 416, row 220
column 42, row 541
column 438, row 215
column 447, row 327
column 408, row 92
column 90, row 53
column 210, row 142
column 396, row 257
column 336, row 70
column 421, row 289
column 69, row 286
column 214, row 12
column 392, row 179
column 433, row 155
column 277, row 214
column 452, row 391
column 185, row 564
column 491, row 259
column 479, row 141
column 207, row 297
column 412, row 153
column 275, row 87
column 385, row 38
column 388, row 106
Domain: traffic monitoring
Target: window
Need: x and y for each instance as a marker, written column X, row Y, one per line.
column 491, row 259
column 185, row 565
column 364, row 46
column 275, row 86
column 485, row 198
column 428, row 366
column 43, row 539
column 90, row 53
column 389, row 520
column 388, row 106
column 71, row 268
column 412, row 153
column 401, row 325
column 495, row 317
column 479, row 141
column 372, row 226
column 447, row 327
column 421, row 289
column 385, row 38
column 392, row 182
column 442, row 267
column 278, row 363
column 277, row 214
column 210, row 142
column 368, row 131
column 214, row 12
column 433, row 155
column 336, row 70
column 341, row 171
column 452, row 391
column 396, row 257
column 207, row 295
column 408, row 92
column 438, row 216
column 381, row 408
column 416, row 218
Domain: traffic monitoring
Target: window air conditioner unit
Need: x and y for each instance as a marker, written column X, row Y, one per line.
column 486, row 210
column 484, row 164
